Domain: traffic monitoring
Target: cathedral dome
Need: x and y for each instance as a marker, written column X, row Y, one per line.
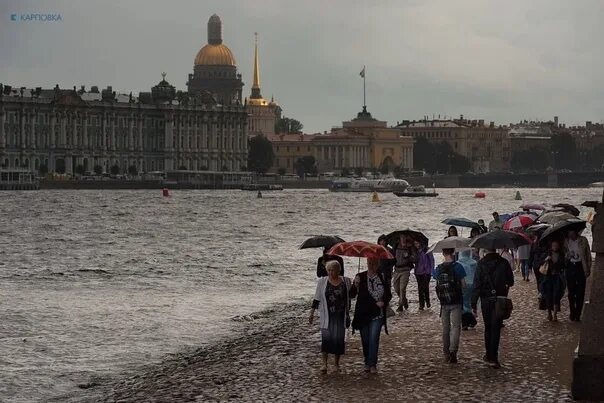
column 215, row 55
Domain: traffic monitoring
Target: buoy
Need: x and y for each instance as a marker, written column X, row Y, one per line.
column 375, row 197
column 259, row 195
column 518, row 197
column 480, row 195
column 166, row 192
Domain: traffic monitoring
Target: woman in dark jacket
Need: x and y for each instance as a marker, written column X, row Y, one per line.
column 373, row 297
column 552, row 283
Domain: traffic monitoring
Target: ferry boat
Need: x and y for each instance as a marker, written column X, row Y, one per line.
column 596, row 185
column 261, row 186
column 416, row 191
column 18, row 179
column 368, row 185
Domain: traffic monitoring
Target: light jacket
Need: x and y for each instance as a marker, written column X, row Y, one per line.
column 323, row 308
column 585, row 253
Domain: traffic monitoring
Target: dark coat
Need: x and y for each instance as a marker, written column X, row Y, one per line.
column 322, row 271
column 498, row 270
column 366, row 309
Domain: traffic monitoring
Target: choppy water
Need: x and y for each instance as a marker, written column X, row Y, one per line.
column 97, row 283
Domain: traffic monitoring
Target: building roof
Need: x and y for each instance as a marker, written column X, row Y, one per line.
column 276, row 138
column 215, row 55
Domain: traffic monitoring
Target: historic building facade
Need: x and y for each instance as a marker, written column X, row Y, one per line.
column 263, row 114
column 164, row 129
column 486, row 146
column 363, row 142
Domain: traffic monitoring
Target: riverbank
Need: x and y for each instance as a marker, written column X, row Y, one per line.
column 275, row 358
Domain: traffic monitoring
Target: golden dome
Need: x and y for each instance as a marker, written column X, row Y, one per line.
column 217, row 55
column 257, row 102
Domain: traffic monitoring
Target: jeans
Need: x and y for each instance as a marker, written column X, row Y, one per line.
column 451, row 320
column 575, row 281
column 423, row 289
column 524, row 268
column 400, row 280
column 370, row 338
column 492, row 328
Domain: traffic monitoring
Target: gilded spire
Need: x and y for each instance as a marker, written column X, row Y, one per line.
column 256, row 84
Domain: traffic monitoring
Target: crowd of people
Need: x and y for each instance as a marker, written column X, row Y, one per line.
column 466, row 277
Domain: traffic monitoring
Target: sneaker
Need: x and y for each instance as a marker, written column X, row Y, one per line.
column 400, row 309
column 428, row 304
column 447, row 356
column 453, row 357
column 495, row 364
column 421, row 308
column 486, row 359
column 549, row 316
column 366, row 369
column 373, row 370
column 406, row 304
column 323, row 368
column 464, row 328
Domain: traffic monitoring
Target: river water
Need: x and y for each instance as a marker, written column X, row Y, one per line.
column 96, row 284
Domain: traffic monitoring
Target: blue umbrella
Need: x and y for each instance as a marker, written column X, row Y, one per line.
column 461, row 222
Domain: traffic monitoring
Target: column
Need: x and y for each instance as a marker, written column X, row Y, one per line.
column 85, row 133
column 140, row 145
column 113, row 122
column 2, row 132
column 104, row 132
column 53, row 122
column 130, row 133
column 63, row 130
column 74, row 133
column 22, row 133
column 32, row 130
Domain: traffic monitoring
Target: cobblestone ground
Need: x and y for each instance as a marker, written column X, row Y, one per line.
column 279, row 361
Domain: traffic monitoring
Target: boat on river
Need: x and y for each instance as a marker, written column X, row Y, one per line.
column 18, row 179
column 416, row 191
column 256, row 187
column 387, row 185
column 596, row 185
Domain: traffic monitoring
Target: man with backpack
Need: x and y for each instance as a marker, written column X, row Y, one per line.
column 449, row 277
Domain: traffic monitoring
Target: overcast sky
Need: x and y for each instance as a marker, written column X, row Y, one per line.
column 492, row 60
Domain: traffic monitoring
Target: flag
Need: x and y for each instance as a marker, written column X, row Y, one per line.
column 362, row 73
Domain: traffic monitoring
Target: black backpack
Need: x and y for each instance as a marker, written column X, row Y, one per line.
column 448, row 286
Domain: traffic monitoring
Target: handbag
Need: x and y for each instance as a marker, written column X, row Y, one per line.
column 503, row 305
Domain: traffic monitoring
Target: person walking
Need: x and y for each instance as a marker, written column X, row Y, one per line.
column 483, row 228
column 578, row 268
column 333, row 301
column 406, row 257
column 386, row 265
column 373, row 298
column 466, row 259
column 450, row 282
column 493, row 278
column 452, row 231
column 552, row 283
column 322, row 261
column 497, row 222
column 522, row 256
column 423, row 272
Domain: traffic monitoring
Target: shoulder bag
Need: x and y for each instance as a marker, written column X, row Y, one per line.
column 503, row 305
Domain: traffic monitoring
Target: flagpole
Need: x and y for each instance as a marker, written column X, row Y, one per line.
column 364, row 100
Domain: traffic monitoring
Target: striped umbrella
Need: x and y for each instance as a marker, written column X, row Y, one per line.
column 519, row 221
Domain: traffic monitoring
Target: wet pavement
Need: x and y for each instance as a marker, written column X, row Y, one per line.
column 278, row 360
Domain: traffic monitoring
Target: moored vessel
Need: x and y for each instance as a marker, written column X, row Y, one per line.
column 387, row 185
column 416, row 191
column 18, row 179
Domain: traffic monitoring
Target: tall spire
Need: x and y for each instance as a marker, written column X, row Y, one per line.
column 214, row 30
column 256, row 84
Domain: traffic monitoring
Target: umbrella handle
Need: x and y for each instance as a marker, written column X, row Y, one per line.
column 359, row 270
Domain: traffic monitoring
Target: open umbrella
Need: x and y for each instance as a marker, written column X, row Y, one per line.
column 519, row 221
column 560, row 229
column 461, row 222
column 532, row 206
column 452, row 242
column 393, row 237
column 321, row 241
column 569, row 208
column 360, row 249
column 553, row 217
column 498, row 240
column 537, row 228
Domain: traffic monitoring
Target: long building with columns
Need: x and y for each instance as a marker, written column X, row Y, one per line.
column 363, row 142
column 66, row 130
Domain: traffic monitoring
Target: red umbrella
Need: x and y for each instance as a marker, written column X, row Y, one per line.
column 360, row 249
column 520, row 221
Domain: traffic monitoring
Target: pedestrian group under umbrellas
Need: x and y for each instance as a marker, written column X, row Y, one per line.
column 476, row 271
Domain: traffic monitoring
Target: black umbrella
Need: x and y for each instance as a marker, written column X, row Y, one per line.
column 393, row 238
column 569, row 208
column 560, row 229
column 499, row 239
column 321, row 241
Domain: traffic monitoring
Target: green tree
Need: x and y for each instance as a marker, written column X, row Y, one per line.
column 260, row 154
column 80, row 169
column 281, row 171
column 564, row 150
column 60, row 166
column 224, row 168
column 98, row 169
column 132, row 170
column 423, row 155
column 288, row 125
column 114, row 170
column 345, row 172
column 203, row 168
column 305, row 165
column 182, row 168
column 358, row 171
column 43, row 169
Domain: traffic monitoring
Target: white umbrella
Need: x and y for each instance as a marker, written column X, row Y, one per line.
column 453, row 242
